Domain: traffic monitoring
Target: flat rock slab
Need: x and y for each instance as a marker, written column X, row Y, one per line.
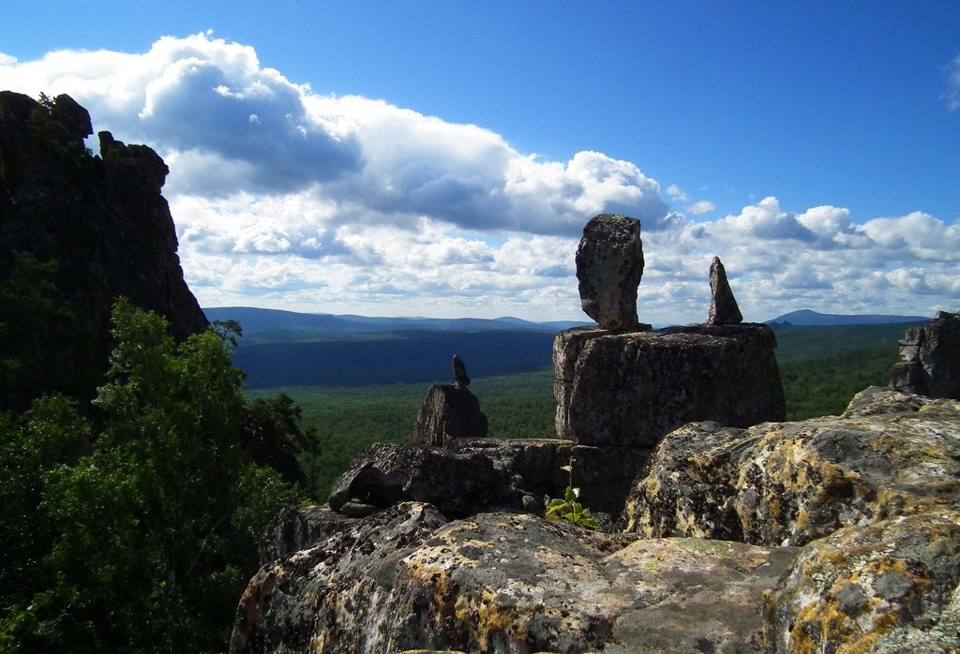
column 484, row 473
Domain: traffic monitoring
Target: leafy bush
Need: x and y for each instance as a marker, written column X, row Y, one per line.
column 136, row 531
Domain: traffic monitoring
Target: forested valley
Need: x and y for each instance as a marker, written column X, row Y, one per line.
column 821, row 368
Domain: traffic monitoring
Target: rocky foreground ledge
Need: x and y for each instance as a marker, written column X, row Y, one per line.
column 853, row 525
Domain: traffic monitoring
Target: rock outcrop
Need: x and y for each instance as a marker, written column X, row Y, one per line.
column 102, row 221
column 872, row 494
column 630, row 389
column 609, row 267
column 742, row 533
column 406, row 579
column 724, row 309
column 450, row 412
column 791, row 483
column 929, row 363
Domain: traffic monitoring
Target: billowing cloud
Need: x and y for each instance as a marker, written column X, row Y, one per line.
column 765, row 221
column 226, row 125
column 291, row 198
column 701, row 207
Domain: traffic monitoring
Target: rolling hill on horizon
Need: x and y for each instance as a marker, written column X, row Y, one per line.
column 278, row 325
column 286, row 348
column 808, row 317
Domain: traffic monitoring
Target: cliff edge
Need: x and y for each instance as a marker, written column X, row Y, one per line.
column 100, row 227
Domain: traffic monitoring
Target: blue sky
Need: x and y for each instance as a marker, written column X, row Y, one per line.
column 441, row 158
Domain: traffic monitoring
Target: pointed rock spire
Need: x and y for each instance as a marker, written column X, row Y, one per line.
column 723, row 306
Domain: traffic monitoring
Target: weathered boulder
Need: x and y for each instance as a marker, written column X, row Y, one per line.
column 892, row 586
column 630, row 389
column 107, row 227
column 297, row 528
column 482, row 474
column 791, row 483
column 449, row 412
column 505, row 582
column 457, row 482
column 930, row 364
column 305, row 602
column 609, row 267
column 723, row 306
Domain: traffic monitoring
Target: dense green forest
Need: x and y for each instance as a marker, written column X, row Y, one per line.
column 131, row 525
column 821, row 367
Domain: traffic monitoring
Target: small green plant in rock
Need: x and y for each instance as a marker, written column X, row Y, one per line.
column 569, row 508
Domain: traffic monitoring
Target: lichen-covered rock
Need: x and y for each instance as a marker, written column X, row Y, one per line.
column 609, row 268
column 506, row 582
column 893, row 586
column 449, row 412
column 630, row 389
column 930, row 364
column 296, row 528
column 331, row 597
column 790, row 483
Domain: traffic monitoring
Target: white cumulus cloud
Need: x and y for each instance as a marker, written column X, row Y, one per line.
column 288, row 197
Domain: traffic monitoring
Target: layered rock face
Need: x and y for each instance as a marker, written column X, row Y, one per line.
column 929, row 364
column 101, row 219
column 481, row 475
column 629, row 389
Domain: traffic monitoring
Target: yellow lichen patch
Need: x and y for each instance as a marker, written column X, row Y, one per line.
column 852, row 626
column 490, row 623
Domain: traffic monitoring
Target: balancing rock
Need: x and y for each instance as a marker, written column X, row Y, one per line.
column 609, row 267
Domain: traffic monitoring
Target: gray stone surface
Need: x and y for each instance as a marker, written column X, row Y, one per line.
column 505, row 582
column 723, row 306
column 630, row 389
column 930, row 359
column 449, row 412
column 609, row 267
column 795, row 482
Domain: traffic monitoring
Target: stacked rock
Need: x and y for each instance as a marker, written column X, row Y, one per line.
column 609, row 268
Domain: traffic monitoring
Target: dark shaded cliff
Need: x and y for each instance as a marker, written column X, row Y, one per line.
column 95, row 228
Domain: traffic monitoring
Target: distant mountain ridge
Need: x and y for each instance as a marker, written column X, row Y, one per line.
column 805, row 317
column 257, row 321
